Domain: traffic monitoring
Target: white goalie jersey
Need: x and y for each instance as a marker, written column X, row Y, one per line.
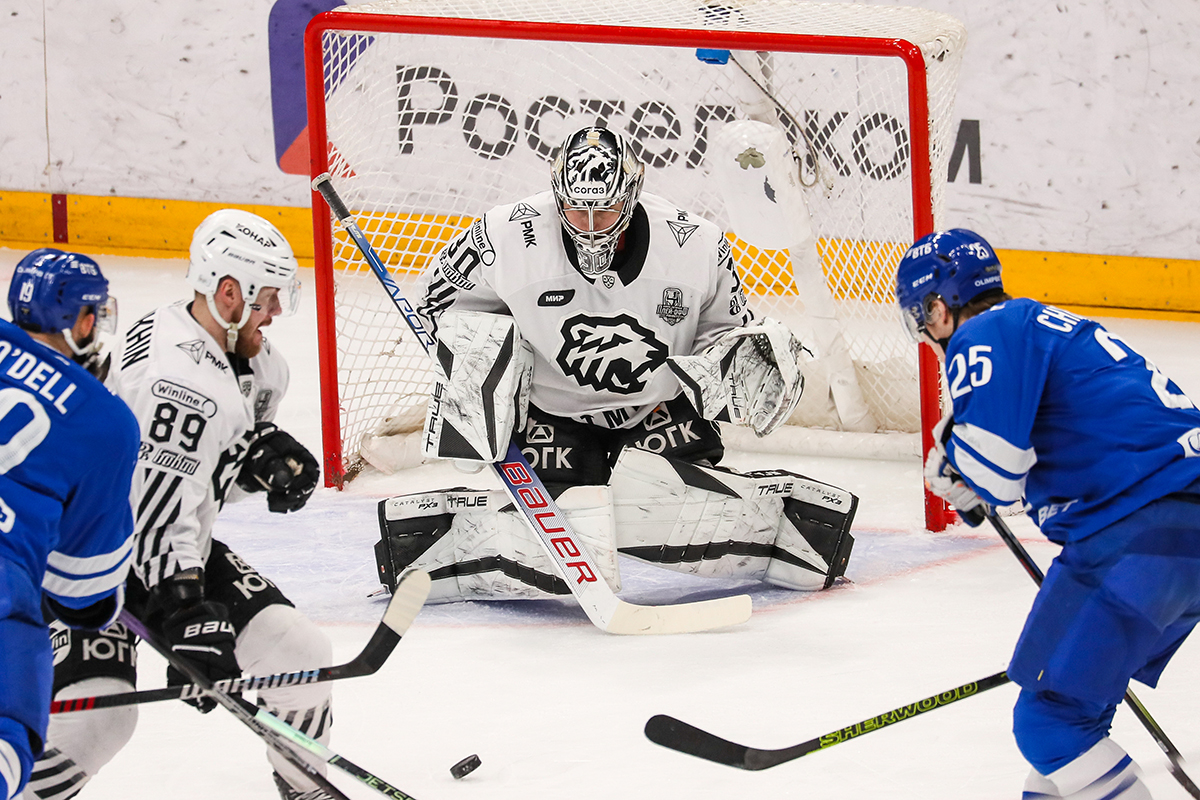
column 195, row 409
column 600, row 345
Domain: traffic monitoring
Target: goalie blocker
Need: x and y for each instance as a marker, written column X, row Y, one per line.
column 481, row 390
column 775, row 526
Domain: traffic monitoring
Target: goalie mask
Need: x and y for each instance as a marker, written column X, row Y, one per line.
column 48, row 289
column 596, row 180
column 243, row 246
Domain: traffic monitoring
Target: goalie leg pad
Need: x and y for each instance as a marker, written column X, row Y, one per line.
column 476, row 546
column 773, row 525
column 482, row 393
column 817, row 518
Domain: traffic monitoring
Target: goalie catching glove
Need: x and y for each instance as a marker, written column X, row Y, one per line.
column 943, row 480
column 482, row 392
column 750, row 376
column 282, row 466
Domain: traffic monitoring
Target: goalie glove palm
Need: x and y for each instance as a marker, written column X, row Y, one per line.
column 282, row 466
column 750, row 376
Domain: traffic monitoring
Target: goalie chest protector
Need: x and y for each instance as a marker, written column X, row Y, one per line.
column 600, row 346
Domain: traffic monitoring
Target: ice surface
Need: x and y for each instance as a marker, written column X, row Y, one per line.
column 555, row 708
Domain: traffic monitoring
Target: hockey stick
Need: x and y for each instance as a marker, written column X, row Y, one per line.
column 272, row 730
column 406, row 602
column 1174, row 757
column 566, row 549
column 244, row 712
column 678, row 735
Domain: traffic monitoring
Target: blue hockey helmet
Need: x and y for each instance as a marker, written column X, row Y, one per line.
column 49, row 287
column 956, row 265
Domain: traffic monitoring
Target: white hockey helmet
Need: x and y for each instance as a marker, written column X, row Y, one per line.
column 243, row 246
column 596, row 170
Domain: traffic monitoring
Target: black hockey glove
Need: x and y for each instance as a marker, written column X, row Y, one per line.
column 282, row 466
column 198, row 630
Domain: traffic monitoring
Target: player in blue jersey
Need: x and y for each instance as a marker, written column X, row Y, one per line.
column 65, row 468
column 1053, row 410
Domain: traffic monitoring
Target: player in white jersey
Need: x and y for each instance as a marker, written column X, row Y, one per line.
column 204, row 385
column 1052, row 410
column 606, row 331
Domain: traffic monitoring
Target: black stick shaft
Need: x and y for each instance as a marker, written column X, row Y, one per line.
column 271, row 736
column 406, row 603
column 383, row 641
column 678, row 735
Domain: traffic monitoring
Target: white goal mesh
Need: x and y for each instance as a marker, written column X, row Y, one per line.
column 429, row 112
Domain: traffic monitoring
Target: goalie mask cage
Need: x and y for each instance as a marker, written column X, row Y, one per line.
column 429, row 112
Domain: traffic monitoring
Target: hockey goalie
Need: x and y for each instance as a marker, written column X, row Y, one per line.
column 606, row 331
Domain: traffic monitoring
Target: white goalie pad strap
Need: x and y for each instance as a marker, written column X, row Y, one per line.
column 723, row 524
column 482, row 393
column 476, row 546
column 751, row 376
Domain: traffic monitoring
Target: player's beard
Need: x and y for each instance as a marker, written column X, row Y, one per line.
column 248, row 345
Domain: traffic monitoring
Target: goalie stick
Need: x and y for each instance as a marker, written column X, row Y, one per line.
column 275, row 732
column 606, row 611
column 678, row 735
column 406, row 602
column 1174, row 757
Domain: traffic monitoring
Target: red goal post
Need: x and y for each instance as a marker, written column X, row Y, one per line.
column 428, row 112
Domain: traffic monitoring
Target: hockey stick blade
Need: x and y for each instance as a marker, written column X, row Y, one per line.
column 406, row 603
column 678, row 735
column 628, row 618
column 547, row 521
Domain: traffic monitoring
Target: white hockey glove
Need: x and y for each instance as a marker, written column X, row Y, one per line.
column 482, row 392
column 751, row 376
column 943, row 480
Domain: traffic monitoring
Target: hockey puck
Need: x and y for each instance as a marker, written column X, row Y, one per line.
column 465, row 767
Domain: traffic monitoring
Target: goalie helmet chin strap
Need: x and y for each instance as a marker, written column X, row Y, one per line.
column 231, row 327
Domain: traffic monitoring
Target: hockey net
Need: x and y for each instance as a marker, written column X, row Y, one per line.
column 429, row 112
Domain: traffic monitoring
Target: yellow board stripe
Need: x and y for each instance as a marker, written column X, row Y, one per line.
column 1097, row 284
column 132, row 225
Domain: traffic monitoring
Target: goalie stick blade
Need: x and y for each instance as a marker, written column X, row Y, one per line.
column 705, row 615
